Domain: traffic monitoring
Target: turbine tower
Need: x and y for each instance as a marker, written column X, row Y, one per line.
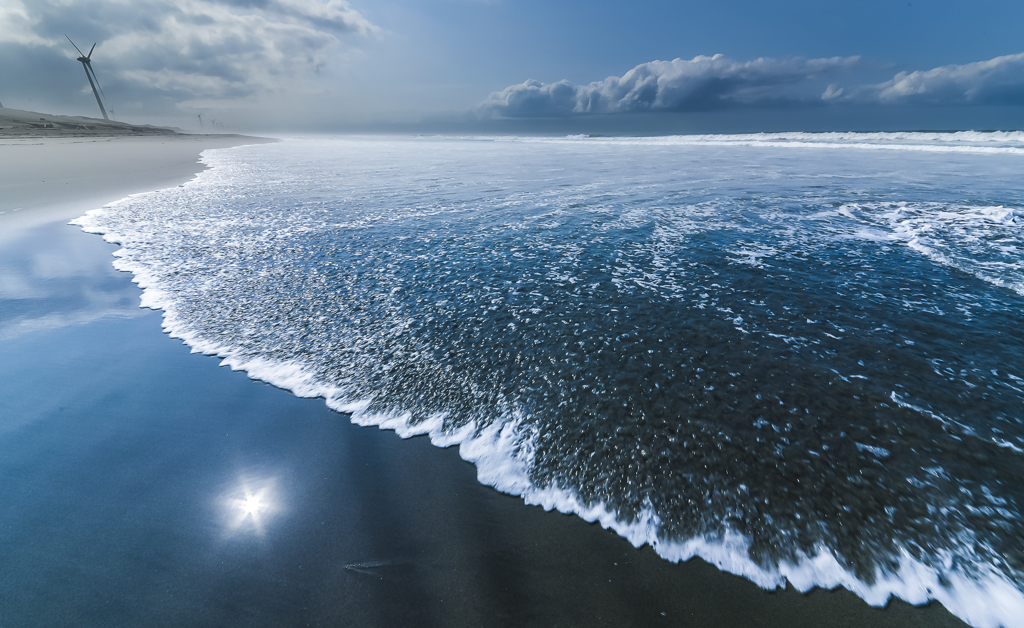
column 91, row 75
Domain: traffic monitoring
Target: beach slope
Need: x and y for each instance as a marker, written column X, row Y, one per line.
column 60, row 172
column 144, row 485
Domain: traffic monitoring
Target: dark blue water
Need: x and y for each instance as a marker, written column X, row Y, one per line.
column 802, row 363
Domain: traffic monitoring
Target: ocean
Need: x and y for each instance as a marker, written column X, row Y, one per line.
column 797, row 356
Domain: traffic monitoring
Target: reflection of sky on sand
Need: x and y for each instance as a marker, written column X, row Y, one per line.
column 119, row 451
column 251, row 505
column 54, row 275
column 143, row 485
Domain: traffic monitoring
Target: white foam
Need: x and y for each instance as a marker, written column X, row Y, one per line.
column 502, row 454
column 502, row 458
column 1003, row 215
column 1002, row 142
column 985, row 600
column 984, row 241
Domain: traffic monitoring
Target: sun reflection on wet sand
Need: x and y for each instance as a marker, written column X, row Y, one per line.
column 251, row 505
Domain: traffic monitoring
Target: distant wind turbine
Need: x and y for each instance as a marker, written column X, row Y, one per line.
column 91, row 75
column 201, row 125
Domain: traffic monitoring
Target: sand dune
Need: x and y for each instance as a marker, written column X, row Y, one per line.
column 19, row 123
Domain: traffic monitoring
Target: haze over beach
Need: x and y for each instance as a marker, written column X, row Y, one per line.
column 666, row 314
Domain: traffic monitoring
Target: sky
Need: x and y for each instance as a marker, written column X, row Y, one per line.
column 523, row 66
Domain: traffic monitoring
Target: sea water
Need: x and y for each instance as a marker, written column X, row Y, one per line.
column 797, row 356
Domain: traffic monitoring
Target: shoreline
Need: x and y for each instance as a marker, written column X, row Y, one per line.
column 44, row 179
column 119, row 448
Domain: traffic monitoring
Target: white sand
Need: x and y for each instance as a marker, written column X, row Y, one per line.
column 44, row 179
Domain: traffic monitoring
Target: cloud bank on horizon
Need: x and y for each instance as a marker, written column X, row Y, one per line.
column 717, row 82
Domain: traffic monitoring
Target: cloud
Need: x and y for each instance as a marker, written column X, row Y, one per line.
column 998, row 81
column 701, row 83
column 709, row 83
column 198, row 50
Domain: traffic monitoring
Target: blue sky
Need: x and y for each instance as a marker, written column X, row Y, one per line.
column 581, row 41
column 520, row 65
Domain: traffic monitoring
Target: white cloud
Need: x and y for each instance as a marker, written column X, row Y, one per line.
column 704, row 83
column 681, row 84
column 194, row 49
column 997, row 81
column 17, row 24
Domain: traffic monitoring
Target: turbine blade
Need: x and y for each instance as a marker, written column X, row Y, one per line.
column 89, row 56
column 95, row 92
column 93, row 72
column 73, row 44
column 100, row 87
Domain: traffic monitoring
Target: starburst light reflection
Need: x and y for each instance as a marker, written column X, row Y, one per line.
column 251, row 505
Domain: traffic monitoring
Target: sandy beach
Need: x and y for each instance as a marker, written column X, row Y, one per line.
column 55, row 173
column 126, row 463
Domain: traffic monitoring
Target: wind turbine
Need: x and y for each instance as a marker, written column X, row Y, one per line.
column 90, row 74
column 201, row 125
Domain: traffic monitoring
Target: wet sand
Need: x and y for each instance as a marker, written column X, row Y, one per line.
column 145, row 485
